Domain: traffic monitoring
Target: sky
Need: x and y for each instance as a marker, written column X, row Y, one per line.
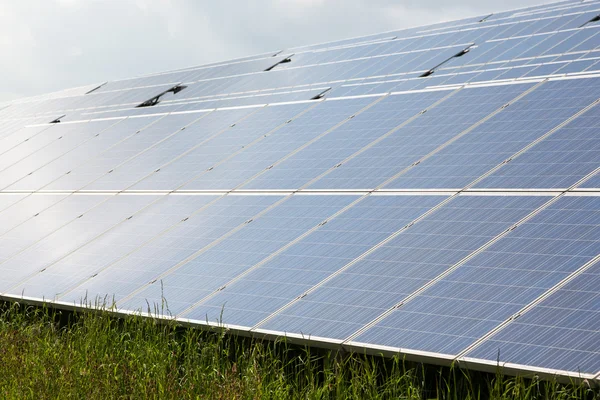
column 50, row 45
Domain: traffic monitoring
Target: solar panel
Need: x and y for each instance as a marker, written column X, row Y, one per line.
column 560, row 332
column 430, row 192
column 522, row 265
column 402, row 265
column 181, row 241
column 313, row 258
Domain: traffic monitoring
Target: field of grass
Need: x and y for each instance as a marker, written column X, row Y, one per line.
column 92, row 355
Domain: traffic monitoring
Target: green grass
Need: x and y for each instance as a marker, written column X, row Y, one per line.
column 46, row 354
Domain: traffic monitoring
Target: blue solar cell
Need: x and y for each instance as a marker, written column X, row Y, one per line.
column 37, row 216
column 25, row 209
column 593, row 43
column 285, row 140
column 12, row 137
column 592, row 183
column 543, row 70
column 123, row 239
column 295, row 270
column 576, row 39
column 209, row 153
column 558, row 161
column 496, row 283
column 28, row 253
column 578, row 66
column 393, row 271
column 499, row 138
column 9, row 199
column 119, row 279
column 202, row 131
column 80, row 155
column 44, row 147
column 234, row 255
column 408, row 144
column 141, row 141
column 561, row 333
column 318, row 157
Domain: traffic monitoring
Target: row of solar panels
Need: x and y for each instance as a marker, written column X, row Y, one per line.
column 416, row 273
column 243, row 258
column 557, row 46
column 383, row 222
column 540, row 135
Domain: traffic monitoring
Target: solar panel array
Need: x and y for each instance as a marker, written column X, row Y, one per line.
column 432, row 191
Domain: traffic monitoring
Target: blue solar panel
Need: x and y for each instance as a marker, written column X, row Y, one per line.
column 199, row 159
column 81, row 155
column 201, row 131
column 136, row 144
column 237, row 253
column 558, row 161
column 324, row 251
column 393, row 271
column 122, row 240
column 25, row 157
column 120, row 278
column 592, row 183
column 509, row 131
column 289, row 138
column 318, row 157
column 418, row 138
column 29, row 253
column 561, row 333
column 12, row 137
column 496, row 283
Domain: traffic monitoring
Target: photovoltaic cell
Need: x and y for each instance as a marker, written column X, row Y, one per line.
column 10, row 138
column 561, row 333
column 122, row 240
column 38, row 216
column 119, row 279
column 37, row 253
column 315, row 159
column 496, row 283
column 204, row 129
column 402, row 265
column 418, row 138
column 591, row 183
column 509, row 131
column 208, row 154
column 237, row 253
column 81, row 155
column 313, row 258
column 52, row 142
column 558, row 161
column 289, row 138
column 141, row 141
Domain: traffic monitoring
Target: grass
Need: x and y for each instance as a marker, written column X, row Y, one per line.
column 46, row 354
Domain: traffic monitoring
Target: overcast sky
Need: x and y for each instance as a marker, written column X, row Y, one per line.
column 49, row 45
